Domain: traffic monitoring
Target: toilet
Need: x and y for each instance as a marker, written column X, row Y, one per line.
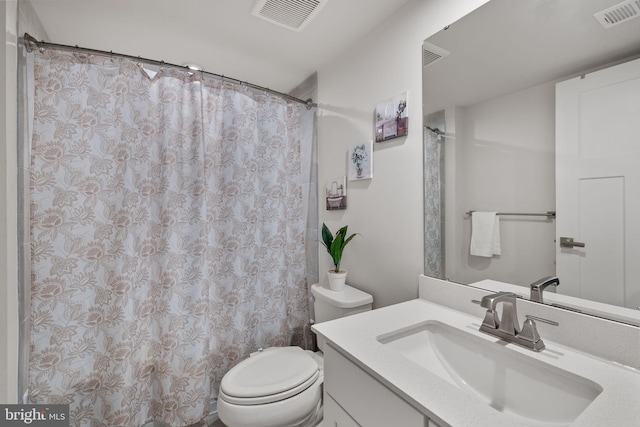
column 282, row 386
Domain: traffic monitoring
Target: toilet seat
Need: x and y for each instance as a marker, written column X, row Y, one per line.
column 270, row 376
column 267, row 390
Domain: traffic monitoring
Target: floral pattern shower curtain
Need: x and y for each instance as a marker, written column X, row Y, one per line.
column 167, row 237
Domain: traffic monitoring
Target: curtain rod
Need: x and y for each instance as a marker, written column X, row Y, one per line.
column 30, row 42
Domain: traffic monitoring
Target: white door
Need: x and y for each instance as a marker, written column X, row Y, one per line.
column 598, row 185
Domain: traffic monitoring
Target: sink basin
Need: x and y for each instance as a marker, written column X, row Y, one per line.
column 529, row 391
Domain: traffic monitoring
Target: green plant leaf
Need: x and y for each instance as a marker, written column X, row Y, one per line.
column 349, row 239
column 337, row 248
column 327, row 237
column 335, row 244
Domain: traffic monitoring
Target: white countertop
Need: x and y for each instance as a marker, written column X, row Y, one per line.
column 356, row 338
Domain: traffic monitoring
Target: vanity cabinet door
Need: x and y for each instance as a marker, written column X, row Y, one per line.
column 362, row 397
column 335, row 416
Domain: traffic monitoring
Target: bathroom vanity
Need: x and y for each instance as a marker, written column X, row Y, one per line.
column 353, row 397
column 422, row 363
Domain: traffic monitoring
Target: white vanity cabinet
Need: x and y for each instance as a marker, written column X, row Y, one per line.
column 334, row 415
column 354, row 398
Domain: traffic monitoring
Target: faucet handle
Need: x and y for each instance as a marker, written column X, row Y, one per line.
column 491, row 319
column 530, row 334
column 529, row 331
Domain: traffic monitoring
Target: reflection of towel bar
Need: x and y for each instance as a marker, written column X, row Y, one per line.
column 548, row 214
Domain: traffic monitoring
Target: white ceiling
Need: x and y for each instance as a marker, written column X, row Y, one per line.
column 220, row 35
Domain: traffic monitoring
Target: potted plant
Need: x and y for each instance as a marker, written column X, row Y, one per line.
column 335, row 246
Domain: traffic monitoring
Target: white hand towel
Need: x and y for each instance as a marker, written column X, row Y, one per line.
column 485, row 234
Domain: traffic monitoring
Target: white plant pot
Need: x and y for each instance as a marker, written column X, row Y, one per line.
column 337, row 280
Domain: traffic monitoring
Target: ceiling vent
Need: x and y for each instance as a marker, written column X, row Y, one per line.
column 291, row 14
column 619, row 13
column 432, row 53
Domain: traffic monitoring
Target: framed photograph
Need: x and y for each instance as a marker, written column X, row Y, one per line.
column 360, row 159
column 336, row 194
column 392, row 118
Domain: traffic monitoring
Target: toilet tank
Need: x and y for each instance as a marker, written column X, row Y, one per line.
column 329, row 305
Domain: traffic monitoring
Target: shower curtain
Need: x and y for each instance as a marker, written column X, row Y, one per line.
column 166, row 236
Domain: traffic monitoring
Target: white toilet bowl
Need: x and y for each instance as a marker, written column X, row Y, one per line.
column 282, row 386
column 279, row 387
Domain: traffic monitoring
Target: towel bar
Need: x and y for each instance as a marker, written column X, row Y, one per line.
column 548, row 214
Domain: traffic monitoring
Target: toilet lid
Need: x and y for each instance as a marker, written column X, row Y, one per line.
column 271, row 375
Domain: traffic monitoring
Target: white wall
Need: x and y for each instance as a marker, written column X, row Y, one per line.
column 387, row 257
column 505, row 162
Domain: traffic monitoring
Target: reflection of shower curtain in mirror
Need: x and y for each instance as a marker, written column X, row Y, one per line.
column 433, row 152
column 167, row 236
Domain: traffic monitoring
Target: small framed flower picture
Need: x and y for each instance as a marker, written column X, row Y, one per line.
column 360, row 160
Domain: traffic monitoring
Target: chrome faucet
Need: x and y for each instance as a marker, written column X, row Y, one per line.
column 507, row 327
column 538, row 286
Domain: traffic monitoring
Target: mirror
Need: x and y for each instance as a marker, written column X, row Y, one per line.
column 489, row 93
